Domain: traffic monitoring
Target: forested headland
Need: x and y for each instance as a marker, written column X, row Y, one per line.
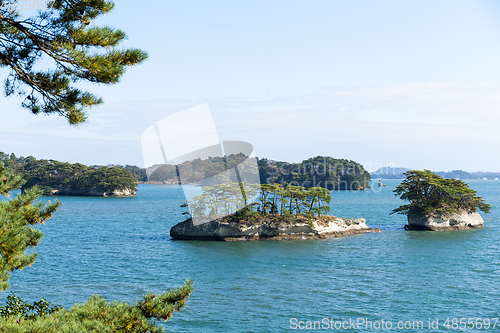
column 62, row 178
column 319, row 171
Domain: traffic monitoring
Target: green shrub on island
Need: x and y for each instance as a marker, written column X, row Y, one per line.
column 430, row 194
column 18, row 217
column 272, row 200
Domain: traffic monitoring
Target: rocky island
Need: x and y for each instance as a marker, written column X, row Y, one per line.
column 438, row 203
column 92, row 192
column 61, row 178
column 232, row 229
column 279, row 212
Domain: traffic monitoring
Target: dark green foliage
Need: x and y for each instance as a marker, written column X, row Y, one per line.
column 11, row 161
column 18, row 308
column 319, row 171
column 109, row 179
column 430, row 194
column 75, row 179
column 76, row 50
column 95, row 315
column 162, row 306
column 50, row 175
column 140, row 173
column 17, row 218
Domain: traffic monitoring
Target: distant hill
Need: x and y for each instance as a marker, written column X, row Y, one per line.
column 460, row 174
column 389, row 173
column 397, row 173
column 319, row 171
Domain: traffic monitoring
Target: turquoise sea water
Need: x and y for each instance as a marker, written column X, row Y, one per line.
column 120, row 248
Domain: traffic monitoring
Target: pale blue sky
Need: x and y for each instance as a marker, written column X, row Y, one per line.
column 407, row 83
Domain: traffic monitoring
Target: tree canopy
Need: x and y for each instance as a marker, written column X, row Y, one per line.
column 71, row 178
column 320, row 171
column 429, row 194
column 272, row 200
column 62, row 38
column 75, row 178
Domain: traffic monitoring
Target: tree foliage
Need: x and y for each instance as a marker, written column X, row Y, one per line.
column 288, row 200
column 319, row 171
column 95, row 315
column 271, row 200
column 16, row 307
column 71, row 179
column 75, row 179
column 17, row 218
column 17, row 164
column 430, row 194
column 76, row 50
column 140, row 173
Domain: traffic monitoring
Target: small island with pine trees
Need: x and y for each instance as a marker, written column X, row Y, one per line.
column 437, row 203
column 280, row 212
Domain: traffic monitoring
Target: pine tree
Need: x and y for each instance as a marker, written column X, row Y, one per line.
column 428, row 194
column 77, row 50
column 17, row 218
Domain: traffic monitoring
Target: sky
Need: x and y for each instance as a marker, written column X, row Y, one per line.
column 411, row 84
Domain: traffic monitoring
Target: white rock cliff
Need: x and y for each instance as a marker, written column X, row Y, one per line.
column 463, row 220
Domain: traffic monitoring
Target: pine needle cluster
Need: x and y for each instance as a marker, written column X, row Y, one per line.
column 77, row 51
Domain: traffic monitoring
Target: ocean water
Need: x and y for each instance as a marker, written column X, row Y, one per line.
column 120, row 248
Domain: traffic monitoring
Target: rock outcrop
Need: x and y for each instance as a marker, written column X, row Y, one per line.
column 227, row 229
column 127, row 192
column 454, row 221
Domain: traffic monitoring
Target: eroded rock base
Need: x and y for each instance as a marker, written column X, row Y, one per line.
column 265, row 228
column 456, row 221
